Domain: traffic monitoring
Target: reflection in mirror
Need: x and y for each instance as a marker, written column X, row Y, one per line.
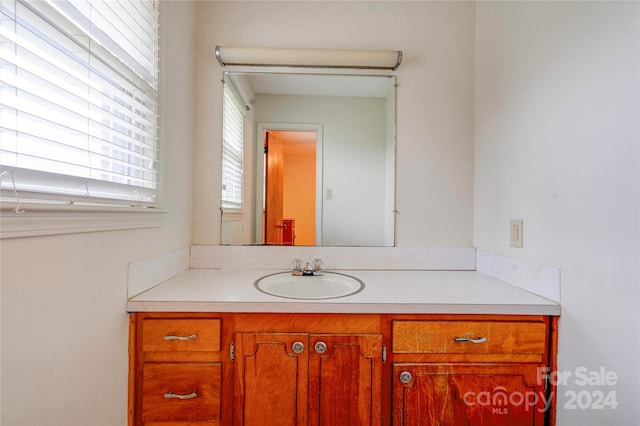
column 319, row 166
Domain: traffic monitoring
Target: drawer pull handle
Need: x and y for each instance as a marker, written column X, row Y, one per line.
column 171, row 395
column 183, row 338
column 465, row 339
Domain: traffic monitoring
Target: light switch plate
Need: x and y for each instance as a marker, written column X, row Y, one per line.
column 515, row 233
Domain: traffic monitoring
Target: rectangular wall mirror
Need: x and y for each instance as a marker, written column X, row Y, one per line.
column 319, row 160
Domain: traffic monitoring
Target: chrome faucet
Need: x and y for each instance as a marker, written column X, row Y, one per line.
column 314, row 269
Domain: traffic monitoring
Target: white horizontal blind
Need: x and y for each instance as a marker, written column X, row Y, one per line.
column 78, row 105
column 232, row 151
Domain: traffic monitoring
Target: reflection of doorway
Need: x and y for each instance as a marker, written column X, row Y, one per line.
column 290, row 186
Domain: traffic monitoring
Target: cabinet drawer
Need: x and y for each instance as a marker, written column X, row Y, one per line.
column 175, row 392
column 479, row 337
column 181, row 335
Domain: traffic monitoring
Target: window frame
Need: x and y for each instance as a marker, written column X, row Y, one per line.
column 24, row 216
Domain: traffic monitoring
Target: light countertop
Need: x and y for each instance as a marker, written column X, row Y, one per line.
column 386, row 291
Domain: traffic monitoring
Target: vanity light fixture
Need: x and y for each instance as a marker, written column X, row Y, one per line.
column 309, row 58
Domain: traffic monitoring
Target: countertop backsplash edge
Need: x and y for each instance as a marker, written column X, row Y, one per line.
column 542, row 280
column 147, row 273
column 370, row 258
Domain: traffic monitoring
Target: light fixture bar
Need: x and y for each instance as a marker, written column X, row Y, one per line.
column 309, row 58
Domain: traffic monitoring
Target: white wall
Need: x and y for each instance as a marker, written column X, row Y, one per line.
column 557, row 141
column 435, row 99
column 64, row 324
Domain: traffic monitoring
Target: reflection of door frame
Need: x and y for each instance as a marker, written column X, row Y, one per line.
column 262, row 127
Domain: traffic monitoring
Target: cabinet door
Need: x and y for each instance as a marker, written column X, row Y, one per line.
column 271, row 379
column 345, row 379
column 470, row 394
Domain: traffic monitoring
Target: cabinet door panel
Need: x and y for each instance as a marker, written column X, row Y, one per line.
column 271, row 380
column 471, row 394
column 345, row 380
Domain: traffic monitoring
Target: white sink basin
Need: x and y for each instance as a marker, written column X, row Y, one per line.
column 329, row 285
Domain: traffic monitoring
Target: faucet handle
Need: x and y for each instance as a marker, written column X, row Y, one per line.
column 317, row 264
column 297, row 264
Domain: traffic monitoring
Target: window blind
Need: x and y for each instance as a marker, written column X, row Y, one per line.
column 232, row 151
column 79, row 101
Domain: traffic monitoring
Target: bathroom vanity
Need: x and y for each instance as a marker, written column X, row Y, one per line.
column 412, row 348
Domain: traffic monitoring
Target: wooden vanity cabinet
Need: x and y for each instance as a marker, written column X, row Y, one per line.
column 340, row 369
column 474, row 370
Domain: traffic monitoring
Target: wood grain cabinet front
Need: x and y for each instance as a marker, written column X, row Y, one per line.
column 298, row 369
column 449, row 372
column 176, row 371
column 181, row 392
column 307, row 379
column 468, row 394
column 472, row 340
column 181, row 335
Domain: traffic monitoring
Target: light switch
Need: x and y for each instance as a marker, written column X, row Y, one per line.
column 328, row 194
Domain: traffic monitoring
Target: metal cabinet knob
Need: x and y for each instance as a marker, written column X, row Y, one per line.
column 321, row 347
column 297, row 347
column 405, row 377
